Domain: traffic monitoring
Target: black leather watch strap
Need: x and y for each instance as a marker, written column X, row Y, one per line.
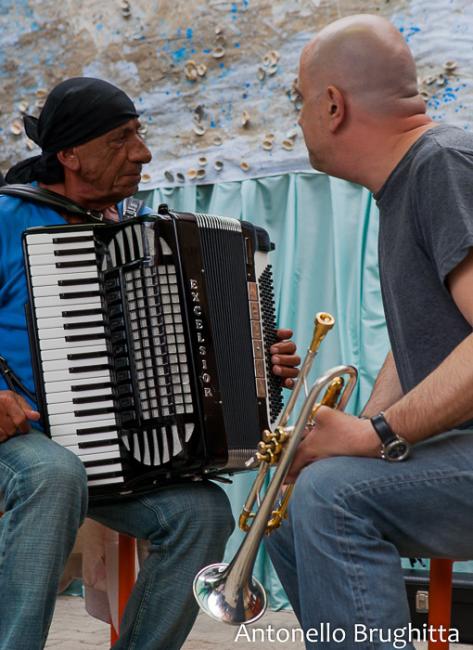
column 393, row 447
column 382, row 428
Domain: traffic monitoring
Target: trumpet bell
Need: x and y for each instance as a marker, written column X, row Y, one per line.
column 217, row 598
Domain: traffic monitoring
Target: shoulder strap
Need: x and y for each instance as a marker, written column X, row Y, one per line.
column 51, row 199
column 12, row 380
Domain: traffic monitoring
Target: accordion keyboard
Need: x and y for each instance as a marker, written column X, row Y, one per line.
column 72, row 339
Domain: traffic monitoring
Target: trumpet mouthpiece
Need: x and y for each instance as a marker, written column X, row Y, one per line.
column 325, row 319
column 323, row 324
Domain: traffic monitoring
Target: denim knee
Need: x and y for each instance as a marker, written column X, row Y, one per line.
column 58, row 481
column 218, row 509
column 208, row 509
column 319, row 486
column 199, row 509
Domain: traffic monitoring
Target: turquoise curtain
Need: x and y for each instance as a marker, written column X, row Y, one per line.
column 325, row 231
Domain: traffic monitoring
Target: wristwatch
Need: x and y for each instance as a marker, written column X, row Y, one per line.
column 393, row 447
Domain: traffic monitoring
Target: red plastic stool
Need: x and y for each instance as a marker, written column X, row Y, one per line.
column 440, row 599
column 126, row 577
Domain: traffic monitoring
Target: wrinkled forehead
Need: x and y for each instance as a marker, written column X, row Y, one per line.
column 121, row 132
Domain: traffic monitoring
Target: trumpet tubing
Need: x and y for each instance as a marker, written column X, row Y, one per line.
column 323, row 323
column 229, row 593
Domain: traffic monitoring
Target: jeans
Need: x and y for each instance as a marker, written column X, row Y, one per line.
column 350, row 520
column 45, row 500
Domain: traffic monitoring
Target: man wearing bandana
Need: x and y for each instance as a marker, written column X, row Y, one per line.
column 92, row 153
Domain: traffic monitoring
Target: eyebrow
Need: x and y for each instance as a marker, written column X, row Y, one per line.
column 124, row 130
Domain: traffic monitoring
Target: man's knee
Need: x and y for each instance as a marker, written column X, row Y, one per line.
column 214, row 509
column 201, row 510
column 198, row 513
column 321, row 484
column 59, row 479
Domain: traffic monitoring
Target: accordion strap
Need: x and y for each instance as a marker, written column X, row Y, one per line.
column 51, row 199
column 12, row 380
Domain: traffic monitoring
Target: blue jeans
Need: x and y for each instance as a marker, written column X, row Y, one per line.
column 350, row 520
column 45, row 499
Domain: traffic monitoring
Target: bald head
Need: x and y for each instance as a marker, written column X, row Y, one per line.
column 367, row 59
column 361, row 110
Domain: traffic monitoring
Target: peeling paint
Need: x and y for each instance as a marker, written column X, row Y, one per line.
column 44, row 42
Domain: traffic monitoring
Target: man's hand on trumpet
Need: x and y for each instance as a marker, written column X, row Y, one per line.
column 284, row 358
column 335, row 434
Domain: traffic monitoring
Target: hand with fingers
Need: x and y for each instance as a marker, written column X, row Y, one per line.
column 284, row 358
column 14, row 415
column 334, row 433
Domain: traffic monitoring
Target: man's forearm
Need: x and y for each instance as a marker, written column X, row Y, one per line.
column 442, row 401
column 387, row 389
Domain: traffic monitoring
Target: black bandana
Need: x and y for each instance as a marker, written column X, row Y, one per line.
column 76, row 111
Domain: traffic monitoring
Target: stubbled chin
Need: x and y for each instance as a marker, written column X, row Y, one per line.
column 316, row 164
column 313, row 161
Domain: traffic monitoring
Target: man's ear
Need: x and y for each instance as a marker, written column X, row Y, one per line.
column 336, row 108
column 69, row 159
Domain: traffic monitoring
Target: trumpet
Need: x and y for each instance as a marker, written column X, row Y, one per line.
column 229, row 592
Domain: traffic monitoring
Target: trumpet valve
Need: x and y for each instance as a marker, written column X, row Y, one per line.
column 266, row 456
column 269, row 452
column 283, row 434
column 262, row 453
column 262, row 446
column 262, row 458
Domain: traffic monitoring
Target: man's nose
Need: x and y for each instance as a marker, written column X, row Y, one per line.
column 140, row 152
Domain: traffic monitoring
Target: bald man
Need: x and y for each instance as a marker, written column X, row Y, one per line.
column 397, row 481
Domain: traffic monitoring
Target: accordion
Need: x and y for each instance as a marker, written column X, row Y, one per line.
column 150, row 343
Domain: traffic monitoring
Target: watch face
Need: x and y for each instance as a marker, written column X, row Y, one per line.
column 396, row 450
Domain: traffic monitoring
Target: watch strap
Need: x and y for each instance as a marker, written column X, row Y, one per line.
column 382, row 428
column 393, row 447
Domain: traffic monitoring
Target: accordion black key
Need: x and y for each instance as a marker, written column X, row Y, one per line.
column 150, row 342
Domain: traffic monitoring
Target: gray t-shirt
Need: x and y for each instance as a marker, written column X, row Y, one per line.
column 426, row 229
